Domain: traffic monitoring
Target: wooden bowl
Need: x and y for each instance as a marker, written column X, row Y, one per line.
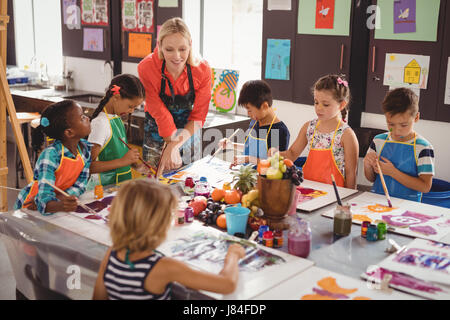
column 275, row 197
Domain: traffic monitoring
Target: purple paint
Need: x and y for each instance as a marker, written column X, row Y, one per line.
column 97, row 205
column 404, row 16
column 407, row 218
column 403, row 280
column 326, row 293
column 426, row 230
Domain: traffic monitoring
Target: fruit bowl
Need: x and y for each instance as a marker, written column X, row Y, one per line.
column 276, row 197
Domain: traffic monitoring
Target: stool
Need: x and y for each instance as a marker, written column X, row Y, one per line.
column 25, row 119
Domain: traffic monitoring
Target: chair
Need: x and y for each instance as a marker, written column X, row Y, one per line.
column 41, row 291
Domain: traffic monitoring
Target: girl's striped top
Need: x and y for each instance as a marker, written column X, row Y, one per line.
column 123, row 282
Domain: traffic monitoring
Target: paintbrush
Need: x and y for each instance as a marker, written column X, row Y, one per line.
column 336, row 191
column 85, row 207
column 140, row 158
column 158, row 168
column 384, row 185
column 220, row 148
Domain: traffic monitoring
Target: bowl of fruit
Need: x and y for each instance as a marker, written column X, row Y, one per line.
column 276, row 185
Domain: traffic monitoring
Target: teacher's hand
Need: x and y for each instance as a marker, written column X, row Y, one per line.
column 171, row 158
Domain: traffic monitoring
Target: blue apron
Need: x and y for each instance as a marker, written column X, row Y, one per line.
column 180, row 108
column 254, row 146
column 403, row 157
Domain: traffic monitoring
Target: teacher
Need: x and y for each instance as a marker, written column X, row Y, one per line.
column 178, row 92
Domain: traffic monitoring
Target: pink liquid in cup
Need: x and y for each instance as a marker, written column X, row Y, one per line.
column 299, row 245
column 293, row 208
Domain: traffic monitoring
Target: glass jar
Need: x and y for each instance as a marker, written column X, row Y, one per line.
column 202, row 188
column 342, row 224
column 299, row 238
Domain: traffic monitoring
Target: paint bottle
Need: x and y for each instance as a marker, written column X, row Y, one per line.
column 261, row 231
column 278, row 239
column 299, row 238
column 268, row 239
column 342, row 224
column 98, row 191
column 202, row 188
column 372, row 232
column 364, row 227
column 188, row 214
column 382, row 230
column 180, row 215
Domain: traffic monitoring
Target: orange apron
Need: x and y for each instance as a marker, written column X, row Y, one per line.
column 320, row 163
column 66, row 174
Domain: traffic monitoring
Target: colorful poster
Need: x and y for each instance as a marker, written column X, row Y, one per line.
column 139, row 45
column 325, row 14
column 71, row 14
column 278, row 59
column 168, row 3
column 223, row 90
column 94, row 12
column 138, row 15
column 405, row 70
column 447, row 85
column 404, row 16
column 93, row 40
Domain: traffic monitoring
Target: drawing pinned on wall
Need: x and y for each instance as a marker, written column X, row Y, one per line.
column 129, row 12
column 325, row 14
column 404, row 70
column 71, row 14
column 404, row 16
column 94, row 12
column 138, row 15
column 139, row 44
column 278, row 59
column 93, row 39
column 223, row 90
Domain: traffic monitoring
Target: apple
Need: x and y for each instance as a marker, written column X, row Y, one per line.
column 274, row 174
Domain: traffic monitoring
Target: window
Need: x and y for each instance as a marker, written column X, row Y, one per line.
column 38, row 36
column 228, row 34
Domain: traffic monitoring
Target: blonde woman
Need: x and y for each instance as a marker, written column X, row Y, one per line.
column 178, row 91
column 132, row 269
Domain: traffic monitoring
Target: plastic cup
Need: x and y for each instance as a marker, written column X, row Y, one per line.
column 236, row 218
column 293, row 209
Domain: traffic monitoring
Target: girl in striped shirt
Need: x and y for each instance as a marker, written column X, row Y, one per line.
column 132, row 269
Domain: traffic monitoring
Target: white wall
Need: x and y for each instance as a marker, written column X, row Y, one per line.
column 89, row 74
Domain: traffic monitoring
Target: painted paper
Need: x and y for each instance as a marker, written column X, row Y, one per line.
column 138, row 15
column 279, row 5
column 405, row 70
column 224, row 90
column 93, row 40
column 139, row 45
column 325, row 14
column 71, row 14
column 447, row 85
column 168, row 3
column 278, row 59
column 404, row 217
column 307, row 194
column 404, row 16
column 94, row 12
column 320, row 284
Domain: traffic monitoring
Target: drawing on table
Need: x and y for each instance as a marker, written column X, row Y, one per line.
column 307, row 194
column 330, row 290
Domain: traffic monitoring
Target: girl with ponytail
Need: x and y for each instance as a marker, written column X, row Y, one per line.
column 111, row 157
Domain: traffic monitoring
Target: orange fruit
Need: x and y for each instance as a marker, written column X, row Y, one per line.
column 288, row 163
column 232, row 196
column 217, row 194
column 221, row 221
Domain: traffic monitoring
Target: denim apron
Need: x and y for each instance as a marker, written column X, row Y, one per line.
column 403, row 157
column 180, row 108
column 254, row 146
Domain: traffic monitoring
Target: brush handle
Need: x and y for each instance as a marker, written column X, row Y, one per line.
column 384, row 184
column 336, row 191
column 220, row 148
column 140, row 158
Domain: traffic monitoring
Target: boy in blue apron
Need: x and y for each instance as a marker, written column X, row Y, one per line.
column 406, row 158
column 265, row 131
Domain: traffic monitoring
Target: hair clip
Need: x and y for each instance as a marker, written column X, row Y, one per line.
column 44, row 122
column 115, row 90
column 343, row 82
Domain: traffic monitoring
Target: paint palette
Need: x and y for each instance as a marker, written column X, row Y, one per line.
column 405, row 217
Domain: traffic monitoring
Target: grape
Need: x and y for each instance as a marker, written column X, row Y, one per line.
column 294, row 176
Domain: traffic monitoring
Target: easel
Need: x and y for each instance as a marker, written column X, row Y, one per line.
column 6, row 103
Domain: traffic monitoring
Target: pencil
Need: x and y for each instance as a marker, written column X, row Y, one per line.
column 220, row 148
column 140, row 158
column 384, row 185
column 336, row 190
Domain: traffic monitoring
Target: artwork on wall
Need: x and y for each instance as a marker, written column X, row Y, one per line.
column 404, row 16
column 71, row 14
column 422, row 267
column 325, row 14
column 139, row 44
column 405, row 217
column 279, row 5
column 94, row 12
column 93, row 39
column 138, row 15
column 223, row 90
column 405, row 70
column 278, row 59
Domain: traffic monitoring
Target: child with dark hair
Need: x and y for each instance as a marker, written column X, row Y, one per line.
column 111, row 157
column 266, row 130
column 333, row 146
column 65, row 163
column 406, row 159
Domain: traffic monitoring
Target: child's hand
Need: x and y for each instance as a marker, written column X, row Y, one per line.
column 68, row 204
column 272, row 151
column 131, row 156
column 387, row 167
column 225, row 143
column 237, row 250
column 370, row 161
